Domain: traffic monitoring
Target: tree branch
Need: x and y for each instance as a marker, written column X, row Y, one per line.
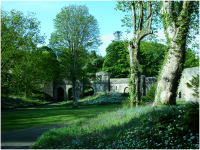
column 134, row 18
column 149, row 14
column 140, row 3
column 145, row 32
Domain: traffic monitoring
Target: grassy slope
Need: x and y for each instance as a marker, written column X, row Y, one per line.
column 142, row 127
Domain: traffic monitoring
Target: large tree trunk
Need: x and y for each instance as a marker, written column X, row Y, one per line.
column 73, row 78
column 133, row 48
column 177, row 29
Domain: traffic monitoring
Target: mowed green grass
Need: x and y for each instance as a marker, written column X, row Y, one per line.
column 17, row 119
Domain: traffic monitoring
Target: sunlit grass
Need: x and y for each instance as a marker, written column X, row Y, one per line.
column 49, row 115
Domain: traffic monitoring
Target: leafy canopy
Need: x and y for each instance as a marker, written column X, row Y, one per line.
column 22, row 67
column 75, row 27
column 117, row 60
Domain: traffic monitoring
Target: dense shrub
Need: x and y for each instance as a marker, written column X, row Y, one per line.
column 127, row 102
column 125, row 94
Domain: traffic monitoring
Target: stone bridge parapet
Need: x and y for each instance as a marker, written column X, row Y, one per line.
column 104, row 83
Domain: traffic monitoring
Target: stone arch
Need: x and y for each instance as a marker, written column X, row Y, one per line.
column 90, row 92
column 126, row 90
column 60, row 94
column 70, row 94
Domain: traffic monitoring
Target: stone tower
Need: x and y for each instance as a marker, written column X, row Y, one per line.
column 103, row 84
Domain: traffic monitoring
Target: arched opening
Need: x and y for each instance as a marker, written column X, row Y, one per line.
column 126, row 90
column 60, row 94
column 70, row 94
column 88, row 91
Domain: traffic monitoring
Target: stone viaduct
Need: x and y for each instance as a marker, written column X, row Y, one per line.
column 63, row 91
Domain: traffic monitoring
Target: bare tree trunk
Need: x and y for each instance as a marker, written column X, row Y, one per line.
column 135, row 75
column 133, row 48
column 177, row 29
column 75, row 104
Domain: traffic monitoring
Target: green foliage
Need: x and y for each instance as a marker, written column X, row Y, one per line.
column 191, row 59
column 125, row 94
column 93, row 65
column 194, row 84
column 69, row 66
column 151, row 56
column 117, row 60
column 127, row 103
column 23, row 67
column 150, row 95
column 181, row 121
column 77, row 27
column 189, row 114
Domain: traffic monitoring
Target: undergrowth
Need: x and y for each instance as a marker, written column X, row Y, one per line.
column 16, row 101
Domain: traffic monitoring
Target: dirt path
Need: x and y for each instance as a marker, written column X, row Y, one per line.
column 23, row 139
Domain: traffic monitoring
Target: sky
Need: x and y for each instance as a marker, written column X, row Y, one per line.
column 109, row 19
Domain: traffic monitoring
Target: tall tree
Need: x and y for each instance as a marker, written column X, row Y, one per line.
column 177, row 18
column 20, row 36
column 141, row 28
column 118, row 35
column 34, row 69
column 117, row 60
column 76, row 31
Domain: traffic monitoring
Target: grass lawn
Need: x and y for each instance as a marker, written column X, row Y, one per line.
column 102, row 122
column 49, row 115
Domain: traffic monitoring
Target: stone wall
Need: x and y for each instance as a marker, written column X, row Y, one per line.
column 120, row 85
column 184, row 93
column 49, row 89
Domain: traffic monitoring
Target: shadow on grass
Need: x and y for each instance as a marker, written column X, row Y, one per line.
column 49, row 115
